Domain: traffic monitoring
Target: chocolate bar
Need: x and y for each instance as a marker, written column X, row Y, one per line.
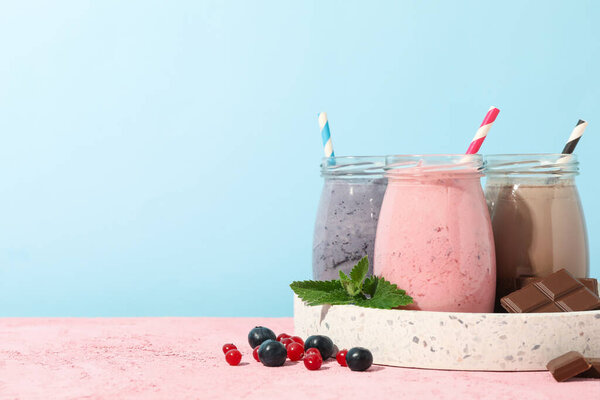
column 589, row 283
column 558, row 292
column 594, row 371
column 568, row 366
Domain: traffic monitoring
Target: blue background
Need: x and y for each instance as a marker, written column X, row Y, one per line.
column 161, row 158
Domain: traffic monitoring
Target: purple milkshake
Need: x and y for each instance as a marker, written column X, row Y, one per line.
column 347, row 216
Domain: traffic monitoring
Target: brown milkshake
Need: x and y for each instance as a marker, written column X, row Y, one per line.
column 538, row 224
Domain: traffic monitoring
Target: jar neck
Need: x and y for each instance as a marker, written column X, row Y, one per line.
column 356, row 168
column 434, row 167
column 532, row 167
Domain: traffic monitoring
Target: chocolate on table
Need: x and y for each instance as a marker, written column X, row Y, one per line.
column 568, row 366
column 589, row 283
column 594, row 371
column 558, row 292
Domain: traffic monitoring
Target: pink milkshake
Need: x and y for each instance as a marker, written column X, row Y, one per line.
column 434, row 237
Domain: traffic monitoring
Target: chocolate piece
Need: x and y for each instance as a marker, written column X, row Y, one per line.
column 594, row 371
column 589, row 283
column 567, row 366
column 558, row 292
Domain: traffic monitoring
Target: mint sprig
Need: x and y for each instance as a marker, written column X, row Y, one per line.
column 372, row 292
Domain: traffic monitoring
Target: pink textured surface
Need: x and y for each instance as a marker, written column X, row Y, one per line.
column 181, row 358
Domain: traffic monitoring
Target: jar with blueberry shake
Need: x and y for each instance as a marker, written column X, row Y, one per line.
column 347, row 215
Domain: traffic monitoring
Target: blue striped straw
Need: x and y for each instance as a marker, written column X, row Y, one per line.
column 326, row 135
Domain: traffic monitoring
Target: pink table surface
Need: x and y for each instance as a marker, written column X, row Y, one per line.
column 181, row 358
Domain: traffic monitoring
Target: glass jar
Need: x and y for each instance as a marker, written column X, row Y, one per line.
column 347, row 216
column 537, row 217
column 434, row 237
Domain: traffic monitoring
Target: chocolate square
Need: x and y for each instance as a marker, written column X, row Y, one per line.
column 567, row 366
column 579, row 300
column 557, row 284
column 524, row 300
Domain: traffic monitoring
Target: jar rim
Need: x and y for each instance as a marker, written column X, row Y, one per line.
column 424, row 165
column 506, row 155
column 532, row 164
column 352, row 166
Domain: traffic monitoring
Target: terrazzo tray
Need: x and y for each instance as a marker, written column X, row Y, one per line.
column 455, row 341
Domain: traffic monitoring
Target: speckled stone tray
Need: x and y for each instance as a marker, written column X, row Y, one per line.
column 456, row 341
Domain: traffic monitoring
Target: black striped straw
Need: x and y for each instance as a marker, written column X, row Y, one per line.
column 575, row 136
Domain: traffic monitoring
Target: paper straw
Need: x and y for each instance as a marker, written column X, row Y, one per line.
column 326, row 135
column 483, row 130
column 575, row 136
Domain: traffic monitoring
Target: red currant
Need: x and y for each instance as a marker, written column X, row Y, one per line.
column 282, row 336
column 286, row 341
column 233, row 357
column 313, row 362
column 298, row 339
column 313, row 350
column 227, row 347
column 255, row 354
column 295, row 351
column 341, row 357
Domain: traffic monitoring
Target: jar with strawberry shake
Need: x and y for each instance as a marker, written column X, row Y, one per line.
column 434, row 237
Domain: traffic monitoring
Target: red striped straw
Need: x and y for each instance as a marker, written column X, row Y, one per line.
column 483, row 130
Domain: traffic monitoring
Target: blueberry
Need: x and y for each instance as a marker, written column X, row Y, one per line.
column 359, row 359
column 335, row 351
column 321, row 343
column 260, row 334
column 272, row 353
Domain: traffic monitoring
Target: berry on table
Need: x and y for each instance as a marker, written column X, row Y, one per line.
column 312, row 350
column 286, row 341
column 255, row 353
column 233, row 357
column 335, row 351
column 295, row 351
column 259, row 334
column 341, row 357
column 272, row 353
column 282, row 336
column 313, row 362
column 227, row 347
column 359, row 359
column 298, row 339
column 322, row 343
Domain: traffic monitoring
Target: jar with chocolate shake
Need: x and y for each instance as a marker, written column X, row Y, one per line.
column 537, row 218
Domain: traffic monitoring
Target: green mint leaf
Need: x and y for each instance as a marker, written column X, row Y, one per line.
column 386, row 295
column 370, row 285
column 321, row 292
column 335, row 297
column 348, row 284
column 359, row 272
column 344, row 277
column 317, row 287
column 374, row 292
